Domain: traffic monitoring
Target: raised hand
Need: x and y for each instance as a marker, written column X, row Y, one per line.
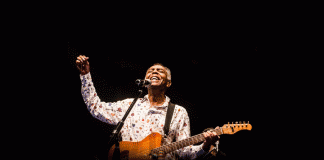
column 83, row 64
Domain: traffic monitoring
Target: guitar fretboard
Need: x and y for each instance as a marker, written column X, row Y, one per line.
column 183, row 143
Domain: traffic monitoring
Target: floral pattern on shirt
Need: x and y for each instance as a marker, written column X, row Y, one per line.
column 142, row 120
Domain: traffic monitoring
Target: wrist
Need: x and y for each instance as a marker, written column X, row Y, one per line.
column 206, row 147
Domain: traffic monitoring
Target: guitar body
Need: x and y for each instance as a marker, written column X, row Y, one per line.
column 137, row 150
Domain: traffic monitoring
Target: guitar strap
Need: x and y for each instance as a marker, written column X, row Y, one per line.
column 168, row 118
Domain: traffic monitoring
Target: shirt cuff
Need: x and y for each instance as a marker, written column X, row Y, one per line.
column 201, row 151
column 86, row 76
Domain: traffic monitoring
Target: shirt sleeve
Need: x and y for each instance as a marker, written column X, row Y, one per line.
column 192, row 151
column 110, row 112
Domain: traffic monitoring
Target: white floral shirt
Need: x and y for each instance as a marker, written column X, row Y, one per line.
column 142, row 120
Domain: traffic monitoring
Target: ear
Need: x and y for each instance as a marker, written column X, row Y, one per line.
column 168, row 84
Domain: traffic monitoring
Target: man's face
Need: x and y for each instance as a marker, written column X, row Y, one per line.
column 158, row 76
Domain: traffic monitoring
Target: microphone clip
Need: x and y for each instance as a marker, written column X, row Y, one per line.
column 143, row 83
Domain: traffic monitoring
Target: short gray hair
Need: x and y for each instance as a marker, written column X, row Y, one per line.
column 166, row 68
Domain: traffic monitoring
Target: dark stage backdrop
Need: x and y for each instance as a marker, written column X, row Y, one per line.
column 216, row 85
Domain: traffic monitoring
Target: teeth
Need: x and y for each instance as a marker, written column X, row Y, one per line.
column 155, row 78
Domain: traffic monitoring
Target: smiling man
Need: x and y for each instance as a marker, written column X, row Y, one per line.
column 160, row 77
column 148, row 114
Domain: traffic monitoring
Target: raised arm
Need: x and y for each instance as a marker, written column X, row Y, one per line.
column 111, row 112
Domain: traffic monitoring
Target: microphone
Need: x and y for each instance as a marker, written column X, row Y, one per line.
column 143, row 83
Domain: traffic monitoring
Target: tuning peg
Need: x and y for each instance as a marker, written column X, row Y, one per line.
column 243, row 122
column 240, row 122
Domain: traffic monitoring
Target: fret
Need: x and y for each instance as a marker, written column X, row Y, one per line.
column 190, row 141
column 178, row 145
column 201, row 137
column 173, row 147
column 195, row 139
column 165, row 149
column 186, row 142
column 169, row 148
column 218, row 131
column 181, row 145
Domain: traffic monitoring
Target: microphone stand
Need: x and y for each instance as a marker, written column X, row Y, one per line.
column 115, row 137
column 217, row 151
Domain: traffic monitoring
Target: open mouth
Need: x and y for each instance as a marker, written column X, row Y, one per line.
column 155, row 79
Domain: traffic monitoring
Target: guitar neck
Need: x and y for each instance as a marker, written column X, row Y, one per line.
column 183, row 143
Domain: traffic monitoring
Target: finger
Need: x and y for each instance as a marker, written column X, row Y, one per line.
column 78, row 62
column 83, row 58
column 86, row 60
column 80, row 59
column 206, row 135
column 215, row 136
column 78, row 67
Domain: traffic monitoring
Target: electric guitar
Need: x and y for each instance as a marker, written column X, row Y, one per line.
column 150, row 147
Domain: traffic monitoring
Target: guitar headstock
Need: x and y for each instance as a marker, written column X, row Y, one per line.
column 233, row 128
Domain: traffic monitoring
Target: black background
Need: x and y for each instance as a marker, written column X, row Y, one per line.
column 222, row 71
column 217, row 84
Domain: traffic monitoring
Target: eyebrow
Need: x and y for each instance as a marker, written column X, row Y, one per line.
column 152, row 68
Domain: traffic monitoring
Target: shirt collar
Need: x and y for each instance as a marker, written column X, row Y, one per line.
column 164, row 106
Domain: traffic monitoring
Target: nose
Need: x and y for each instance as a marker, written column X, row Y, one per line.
column 155, row 71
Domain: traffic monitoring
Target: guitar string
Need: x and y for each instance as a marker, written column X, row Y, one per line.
column 183, row 143
column 193, row 140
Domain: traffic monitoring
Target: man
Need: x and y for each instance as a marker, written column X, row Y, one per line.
column 148, row 114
